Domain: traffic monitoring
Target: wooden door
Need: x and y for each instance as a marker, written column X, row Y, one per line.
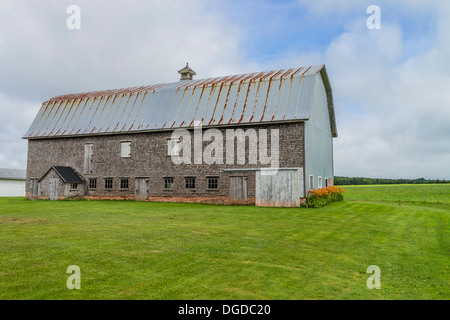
column 238, row 189
column 53, row 192
column 141, row 189
column 34, row 189
column 281, row 189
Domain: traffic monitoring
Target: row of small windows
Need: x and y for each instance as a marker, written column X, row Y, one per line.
column 212, row 183
column 169, row 183
column 319, row 180
column 108, row 183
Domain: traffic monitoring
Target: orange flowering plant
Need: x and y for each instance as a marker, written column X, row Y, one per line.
column 323, row 196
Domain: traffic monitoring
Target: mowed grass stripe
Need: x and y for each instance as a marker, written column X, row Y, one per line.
column 131, row 250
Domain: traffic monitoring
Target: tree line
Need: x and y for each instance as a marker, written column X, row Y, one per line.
column 341, row 181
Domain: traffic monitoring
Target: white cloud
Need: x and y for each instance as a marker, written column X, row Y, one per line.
column 392, row 104
column 16, row 116
column 142, row 42
column 119, row 45
column 397, row 125
column 390, row 88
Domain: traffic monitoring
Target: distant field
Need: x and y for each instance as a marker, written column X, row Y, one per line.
column 414, row 193
column 137, row 250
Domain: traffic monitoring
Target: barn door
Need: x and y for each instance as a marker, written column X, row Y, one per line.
column 141, row 189
column 282, row 189
column 238, row 189
column 54, row 189
column 34, row 191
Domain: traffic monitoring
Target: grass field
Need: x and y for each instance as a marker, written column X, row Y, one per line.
column 136, row 250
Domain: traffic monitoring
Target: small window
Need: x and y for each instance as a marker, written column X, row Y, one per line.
column 311, row 182
column 168, row 183
column 124, row 184
column 213, row 183
column 326, row 182
column 109, row 184
column 93, row 184
column 190, row 183
column 125, row 149
column 173, row 147
column 320, row 182
column 74, row 186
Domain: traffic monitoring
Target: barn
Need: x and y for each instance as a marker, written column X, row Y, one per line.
column 262, row 138
column 12, row 182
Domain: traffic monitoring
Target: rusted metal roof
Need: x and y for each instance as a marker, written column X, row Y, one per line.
column 261, row 97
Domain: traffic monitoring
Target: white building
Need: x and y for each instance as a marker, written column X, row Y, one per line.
column 12, row 182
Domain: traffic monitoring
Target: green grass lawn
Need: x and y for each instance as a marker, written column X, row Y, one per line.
column 137, row 250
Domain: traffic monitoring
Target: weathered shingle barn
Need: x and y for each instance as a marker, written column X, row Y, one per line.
column 121, row 144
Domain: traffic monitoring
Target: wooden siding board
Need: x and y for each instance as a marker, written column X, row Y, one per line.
column 280, row 189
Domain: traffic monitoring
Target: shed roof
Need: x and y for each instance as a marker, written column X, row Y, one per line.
column 261, row 97
column 12, row 174
column 67, row 174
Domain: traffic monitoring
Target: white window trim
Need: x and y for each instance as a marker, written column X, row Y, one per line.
column 311, row 186
column 320, row 182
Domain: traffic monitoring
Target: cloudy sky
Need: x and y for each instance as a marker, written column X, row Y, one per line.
column 391, row 85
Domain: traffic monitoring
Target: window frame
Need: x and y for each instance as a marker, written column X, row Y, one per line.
column 105, row 184
column 73, row 187
column 90, row 184
column 166, row 183
column 311, row 181
column 208, row 184
column 122, row 182
column 190, row 183
column 320, row 182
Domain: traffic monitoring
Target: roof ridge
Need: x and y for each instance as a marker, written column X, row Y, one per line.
column 187, row 83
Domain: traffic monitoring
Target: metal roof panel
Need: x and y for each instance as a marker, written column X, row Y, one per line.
column 260, row 97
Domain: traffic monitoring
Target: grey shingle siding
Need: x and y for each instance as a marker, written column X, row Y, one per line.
column 149, row 159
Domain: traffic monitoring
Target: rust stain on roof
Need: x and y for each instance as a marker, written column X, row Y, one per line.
column 234, row 99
